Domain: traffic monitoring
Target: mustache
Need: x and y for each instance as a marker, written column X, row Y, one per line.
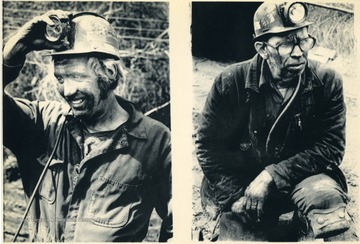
column 297, row 62
column 76, row 96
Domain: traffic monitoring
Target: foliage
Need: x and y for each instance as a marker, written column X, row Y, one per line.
column 333, row 29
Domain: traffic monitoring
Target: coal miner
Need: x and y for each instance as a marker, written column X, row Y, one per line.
column 272, row 135
column 101, row 166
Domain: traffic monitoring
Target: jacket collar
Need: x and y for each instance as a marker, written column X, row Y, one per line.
column 253, row 74
column 254, row 78
column 133, row 126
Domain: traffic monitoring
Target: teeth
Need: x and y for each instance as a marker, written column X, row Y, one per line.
column 77, row 101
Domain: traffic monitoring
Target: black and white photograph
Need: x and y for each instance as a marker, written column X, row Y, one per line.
column 180, row 121
column 275, row 136
column 86, row 122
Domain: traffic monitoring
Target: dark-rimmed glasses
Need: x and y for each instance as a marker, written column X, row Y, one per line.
column 287, row 47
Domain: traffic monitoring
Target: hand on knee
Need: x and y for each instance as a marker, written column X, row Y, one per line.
column 239, row 209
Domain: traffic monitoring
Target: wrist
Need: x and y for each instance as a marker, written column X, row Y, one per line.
column 267, row 178
column 14, row 53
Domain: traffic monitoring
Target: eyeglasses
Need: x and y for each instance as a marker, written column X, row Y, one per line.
column 287, row 47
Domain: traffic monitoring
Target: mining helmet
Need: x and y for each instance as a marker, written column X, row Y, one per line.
column 89, row 33
column 271, row 18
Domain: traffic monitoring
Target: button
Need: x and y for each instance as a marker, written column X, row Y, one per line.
column 341, row 215
column 321, row 220
column 255, row 131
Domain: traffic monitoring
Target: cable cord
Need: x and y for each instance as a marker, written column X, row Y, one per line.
column 39, row 182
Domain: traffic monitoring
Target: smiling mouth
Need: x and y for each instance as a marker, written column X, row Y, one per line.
column 77, row 102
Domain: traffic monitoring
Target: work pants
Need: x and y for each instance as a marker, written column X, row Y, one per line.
column 318, row 193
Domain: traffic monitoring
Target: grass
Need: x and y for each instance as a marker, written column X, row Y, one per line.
column 333, row 29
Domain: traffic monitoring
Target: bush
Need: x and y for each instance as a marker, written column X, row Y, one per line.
column 333, row 29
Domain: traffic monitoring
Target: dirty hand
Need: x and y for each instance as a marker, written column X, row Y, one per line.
column 238, row 208
column 256, row 195
column 31, row 36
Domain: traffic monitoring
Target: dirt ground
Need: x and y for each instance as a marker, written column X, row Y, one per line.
column 204, row 72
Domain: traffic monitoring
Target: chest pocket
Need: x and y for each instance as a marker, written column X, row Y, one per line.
column 48, row 187
column 305, row 117
column 111, row 203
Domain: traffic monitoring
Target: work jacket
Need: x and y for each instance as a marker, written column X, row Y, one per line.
column 239, row 136
column 107, row 195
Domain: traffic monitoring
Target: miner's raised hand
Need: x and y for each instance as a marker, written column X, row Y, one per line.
column 32, row 36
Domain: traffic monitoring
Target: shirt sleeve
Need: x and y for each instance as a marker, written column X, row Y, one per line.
column 221, row 154
column 22, row 120
column 163, row 199
column 29, row 126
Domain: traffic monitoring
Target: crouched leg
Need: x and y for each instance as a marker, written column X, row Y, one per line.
column 232, row 228
column 321, row 204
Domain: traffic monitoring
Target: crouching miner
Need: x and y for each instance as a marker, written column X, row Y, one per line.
column 107, row 166
column 272, row 135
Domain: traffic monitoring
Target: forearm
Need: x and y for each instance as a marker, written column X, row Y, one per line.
column 14, row 55
column 225, row 164
column 10, row 73
column 164, row 193
column 14, row 51
column 227, row 171
column 166, row 230
column 291, row 171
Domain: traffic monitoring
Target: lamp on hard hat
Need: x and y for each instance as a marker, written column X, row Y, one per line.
column 295, row 12
column 87, row 33
column 272, row 18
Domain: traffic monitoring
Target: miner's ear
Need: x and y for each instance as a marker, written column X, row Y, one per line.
column 261, row 49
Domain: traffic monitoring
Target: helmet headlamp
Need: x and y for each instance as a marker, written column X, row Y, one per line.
column 295, row 13
column 272, row 18
column 87, row 33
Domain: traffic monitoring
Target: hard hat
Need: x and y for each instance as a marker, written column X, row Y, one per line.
column 271, row 18
column 90, row 33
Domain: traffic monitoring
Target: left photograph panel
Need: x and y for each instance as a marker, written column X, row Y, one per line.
column 86, row 122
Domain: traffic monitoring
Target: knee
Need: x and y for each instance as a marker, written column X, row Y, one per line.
column 322, row 204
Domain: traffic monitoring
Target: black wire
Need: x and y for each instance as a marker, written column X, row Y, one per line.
column 39, row 181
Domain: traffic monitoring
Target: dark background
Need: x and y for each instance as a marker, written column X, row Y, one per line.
column 223, row 31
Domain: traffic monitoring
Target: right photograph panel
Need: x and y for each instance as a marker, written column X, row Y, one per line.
column 275, row 107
